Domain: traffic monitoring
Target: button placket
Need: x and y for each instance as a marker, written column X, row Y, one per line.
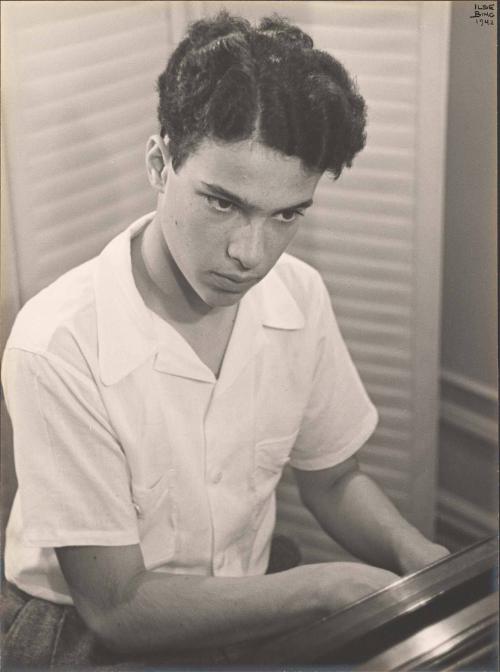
column 211, row 479
column 229, row 434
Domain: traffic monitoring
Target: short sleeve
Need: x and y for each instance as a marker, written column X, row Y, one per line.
column 74, row 486
column 339, row 415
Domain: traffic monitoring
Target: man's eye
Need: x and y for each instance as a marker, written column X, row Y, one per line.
column 219, row 204
column 289, row 216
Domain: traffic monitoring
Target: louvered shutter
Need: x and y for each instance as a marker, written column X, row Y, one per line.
column 375, row 237
column 79, row 103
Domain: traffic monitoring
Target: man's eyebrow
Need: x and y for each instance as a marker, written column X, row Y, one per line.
column 237, row 200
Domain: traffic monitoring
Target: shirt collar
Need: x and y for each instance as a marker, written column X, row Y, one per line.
column 124, row 324
column 126, row 330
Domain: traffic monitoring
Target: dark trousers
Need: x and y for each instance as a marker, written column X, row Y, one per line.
column 37, row 634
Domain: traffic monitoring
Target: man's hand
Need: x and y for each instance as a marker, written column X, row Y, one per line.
column 416, row 552
column 340, row 584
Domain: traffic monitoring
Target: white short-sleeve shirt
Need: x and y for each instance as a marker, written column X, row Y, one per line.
column 123, row 436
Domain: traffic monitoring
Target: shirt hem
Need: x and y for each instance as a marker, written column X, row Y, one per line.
column 40, row 592
column 96, row 538
column 327, row 461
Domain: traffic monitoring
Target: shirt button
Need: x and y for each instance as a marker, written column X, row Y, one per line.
column 216, row 477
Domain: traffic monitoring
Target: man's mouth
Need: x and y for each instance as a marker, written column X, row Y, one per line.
column 234, row 283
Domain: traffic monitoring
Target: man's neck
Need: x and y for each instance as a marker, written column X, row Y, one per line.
column 207, row 330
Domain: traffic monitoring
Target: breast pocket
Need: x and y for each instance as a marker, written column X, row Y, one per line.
column 157, row 519
column 270, row 457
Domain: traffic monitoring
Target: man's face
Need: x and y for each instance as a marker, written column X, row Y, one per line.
column 229, row 213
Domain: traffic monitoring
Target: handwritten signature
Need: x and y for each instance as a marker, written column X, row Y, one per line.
column 484, row 13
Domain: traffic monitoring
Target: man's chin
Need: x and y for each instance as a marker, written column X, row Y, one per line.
column 202, row 297
column 222, row 299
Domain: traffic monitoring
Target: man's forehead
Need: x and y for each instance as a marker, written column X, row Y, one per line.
column 251, row 170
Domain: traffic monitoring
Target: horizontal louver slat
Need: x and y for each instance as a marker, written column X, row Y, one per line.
column 85, row 152
column 67, row 24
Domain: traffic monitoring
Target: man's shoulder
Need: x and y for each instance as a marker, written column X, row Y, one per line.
column 62, row 306
column 67, row 305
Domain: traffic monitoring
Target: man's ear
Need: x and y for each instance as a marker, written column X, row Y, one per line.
column 157, row 162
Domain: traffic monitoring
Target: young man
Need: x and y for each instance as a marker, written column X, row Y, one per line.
column 157, row 391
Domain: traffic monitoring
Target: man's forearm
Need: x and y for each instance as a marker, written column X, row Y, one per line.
column 357, row 513
column 160, row 612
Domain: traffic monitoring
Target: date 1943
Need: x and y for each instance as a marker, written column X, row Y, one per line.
column 484, row 13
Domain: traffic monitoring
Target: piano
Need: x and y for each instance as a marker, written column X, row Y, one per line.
column 443, row 617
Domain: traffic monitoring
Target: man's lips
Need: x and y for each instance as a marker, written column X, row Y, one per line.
column 233, row 282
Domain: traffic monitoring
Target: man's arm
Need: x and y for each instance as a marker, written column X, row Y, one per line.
column 134, row 610
column 355, row 512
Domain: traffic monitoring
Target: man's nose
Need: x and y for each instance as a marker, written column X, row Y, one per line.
column 246, row 245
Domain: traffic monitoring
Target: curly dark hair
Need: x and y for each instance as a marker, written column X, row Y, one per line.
column 229, row 81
